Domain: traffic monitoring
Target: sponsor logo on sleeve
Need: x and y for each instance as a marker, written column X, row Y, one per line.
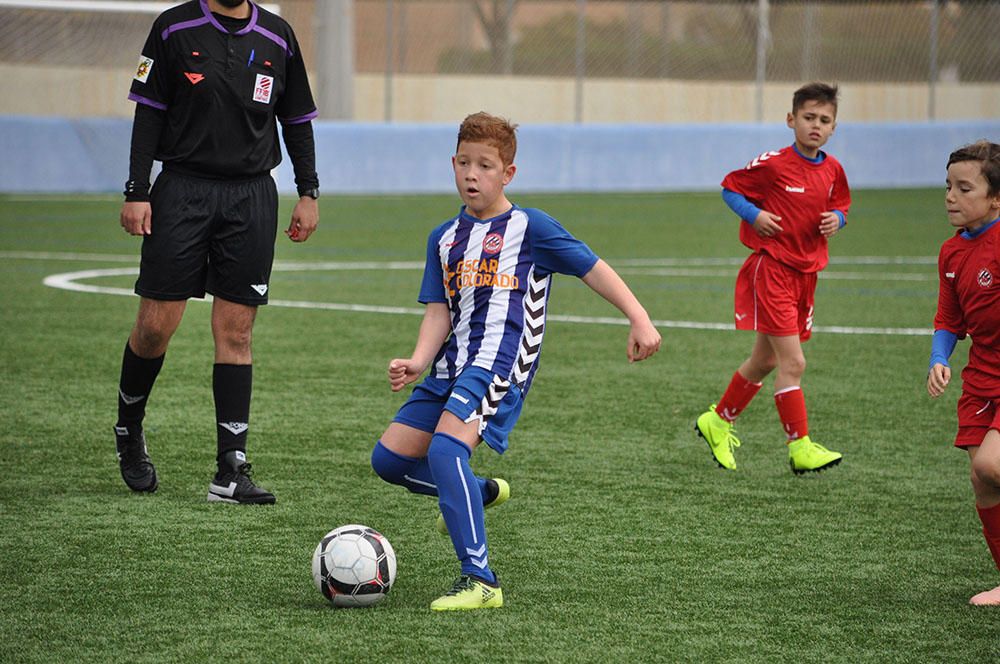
column 145, row 66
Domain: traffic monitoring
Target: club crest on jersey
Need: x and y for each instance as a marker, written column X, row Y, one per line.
column 985, row 279
column 145, row 66
column 262, row 89
column 493, row 243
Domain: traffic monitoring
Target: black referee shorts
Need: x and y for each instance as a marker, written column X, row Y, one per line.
column 212, row 236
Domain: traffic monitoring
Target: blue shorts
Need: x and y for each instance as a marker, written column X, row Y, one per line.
column 476, row 394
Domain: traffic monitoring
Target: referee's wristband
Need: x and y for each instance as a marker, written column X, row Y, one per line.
column 136, row 191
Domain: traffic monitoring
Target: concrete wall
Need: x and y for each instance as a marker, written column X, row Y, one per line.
column 82, row 92
column 91, row 155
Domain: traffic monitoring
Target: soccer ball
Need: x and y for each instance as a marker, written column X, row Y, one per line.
column 354, row 565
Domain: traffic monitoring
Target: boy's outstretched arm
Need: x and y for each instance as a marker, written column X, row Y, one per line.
column 643, row 339
column 434, row 329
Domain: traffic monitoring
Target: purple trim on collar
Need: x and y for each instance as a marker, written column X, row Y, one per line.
column 148, row 102
column 251, row 24
column 275, row 38
column 301, row 119
column 194, row 23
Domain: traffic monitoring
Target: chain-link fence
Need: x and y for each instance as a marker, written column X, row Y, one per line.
column 555, row 60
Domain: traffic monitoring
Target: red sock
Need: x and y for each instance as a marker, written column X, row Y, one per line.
column 738, row 396
column 990, row 516
column 791, row 405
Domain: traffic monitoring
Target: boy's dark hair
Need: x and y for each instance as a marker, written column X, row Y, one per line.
column 815, row 91
column 988, row 156
column 482, row 127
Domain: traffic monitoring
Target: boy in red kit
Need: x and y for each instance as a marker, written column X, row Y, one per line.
column 791, row 202
column 969, row 304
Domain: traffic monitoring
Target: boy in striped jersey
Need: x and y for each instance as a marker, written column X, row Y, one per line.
column 486, row 285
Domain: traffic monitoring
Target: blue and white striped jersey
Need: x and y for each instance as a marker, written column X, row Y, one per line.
column 495, row 276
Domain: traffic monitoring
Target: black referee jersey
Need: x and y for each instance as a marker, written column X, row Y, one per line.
column 222, row 91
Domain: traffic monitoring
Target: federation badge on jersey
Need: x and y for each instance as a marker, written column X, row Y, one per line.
column 145, row 66
column 493, row 243
column 985, row 279
column 262, row 89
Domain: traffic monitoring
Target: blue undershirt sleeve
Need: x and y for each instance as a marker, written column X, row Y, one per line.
column 739, row 204
column 843, row 218
column 942, row 346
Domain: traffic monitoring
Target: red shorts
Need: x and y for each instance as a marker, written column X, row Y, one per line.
column 976, row 416
column 774, row 299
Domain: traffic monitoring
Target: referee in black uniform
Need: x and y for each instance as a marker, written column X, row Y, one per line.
column 214, row 79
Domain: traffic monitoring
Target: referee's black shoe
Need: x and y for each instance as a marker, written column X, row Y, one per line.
column 133, row 460
column 232, row 483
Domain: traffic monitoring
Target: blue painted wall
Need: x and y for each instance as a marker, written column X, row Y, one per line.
column 91, row 155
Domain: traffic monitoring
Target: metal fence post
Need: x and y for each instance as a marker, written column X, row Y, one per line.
column 932, row 69
column 389, row 41
column 335, row 58
column 763, row 36
column 581, row 59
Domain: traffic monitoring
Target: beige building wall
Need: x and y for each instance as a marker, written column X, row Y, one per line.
column 543, row 100
column 72, row 92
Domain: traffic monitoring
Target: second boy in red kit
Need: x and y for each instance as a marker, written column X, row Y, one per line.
column 791, row 201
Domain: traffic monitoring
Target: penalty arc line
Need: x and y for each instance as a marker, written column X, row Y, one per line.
column 69, row 281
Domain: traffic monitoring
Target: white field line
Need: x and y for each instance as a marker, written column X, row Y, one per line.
column 825, row 276
column 70, row 281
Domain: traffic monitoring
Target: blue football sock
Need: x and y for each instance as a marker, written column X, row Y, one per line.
column 410, row 472
column 461, row 504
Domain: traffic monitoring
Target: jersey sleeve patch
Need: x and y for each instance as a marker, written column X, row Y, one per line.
column 144, row 68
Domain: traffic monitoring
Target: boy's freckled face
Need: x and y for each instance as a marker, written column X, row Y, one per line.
column 967, row 198
column 480, row 177
column 813, row 124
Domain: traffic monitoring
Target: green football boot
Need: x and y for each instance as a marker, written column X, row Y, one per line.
column 720, row 436
column 501, row 492
column 469, row 593
column 805, row 456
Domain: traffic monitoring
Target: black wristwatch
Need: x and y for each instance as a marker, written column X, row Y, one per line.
column 311, row 193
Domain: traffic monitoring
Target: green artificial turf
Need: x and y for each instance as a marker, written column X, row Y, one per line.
column 622, row 541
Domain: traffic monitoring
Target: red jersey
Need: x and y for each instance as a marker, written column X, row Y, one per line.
column 969, row 303
column 798, row 190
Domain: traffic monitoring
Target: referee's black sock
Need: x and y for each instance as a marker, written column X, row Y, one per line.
column 231, row 385
column 136, row 382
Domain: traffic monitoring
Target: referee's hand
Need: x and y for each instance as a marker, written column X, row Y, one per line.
column 305, row 218
column 137, row 218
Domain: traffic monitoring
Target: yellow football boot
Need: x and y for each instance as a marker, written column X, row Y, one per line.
column 805, row 456
column 720, row 436
column 467, row 594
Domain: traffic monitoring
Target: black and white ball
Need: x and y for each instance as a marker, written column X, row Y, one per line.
column 354, row 565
